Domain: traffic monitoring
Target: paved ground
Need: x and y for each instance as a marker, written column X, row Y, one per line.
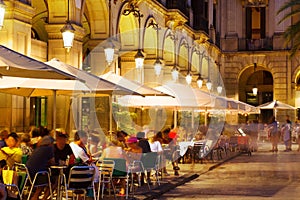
column 189, row 173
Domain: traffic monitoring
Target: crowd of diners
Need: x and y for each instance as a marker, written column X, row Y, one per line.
column 41, row 148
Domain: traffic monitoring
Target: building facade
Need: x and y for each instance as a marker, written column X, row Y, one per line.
column 236, row 44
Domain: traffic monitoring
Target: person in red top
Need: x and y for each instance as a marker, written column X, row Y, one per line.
column 173, row 142
column 170, row 138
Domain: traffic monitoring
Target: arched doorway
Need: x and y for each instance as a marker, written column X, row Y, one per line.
column 261, row 78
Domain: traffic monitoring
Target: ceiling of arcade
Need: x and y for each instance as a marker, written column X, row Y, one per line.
column 86, row 13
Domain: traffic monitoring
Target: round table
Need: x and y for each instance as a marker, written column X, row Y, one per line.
column 61, row 179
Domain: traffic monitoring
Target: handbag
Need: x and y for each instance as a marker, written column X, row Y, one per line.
column 9, row 176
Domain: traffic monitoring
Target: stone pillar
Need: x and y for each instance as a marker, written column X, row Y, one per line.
column 16, row 35
column 74, row 58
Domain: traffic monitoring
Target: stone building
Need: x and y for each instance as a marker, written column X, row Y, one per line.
column 241, row 39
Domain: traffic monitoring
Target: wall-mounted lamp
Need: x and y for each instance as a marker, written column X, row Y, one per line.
column 199, row 81
column 175, row 73
column 208, row 84
column 139, row 59
column 189, row 78
column 109, row 49
column 139, row 56
column 157, row 64
column 254, row 89
column 68, row 32
column 2, row 12
column 219, row 88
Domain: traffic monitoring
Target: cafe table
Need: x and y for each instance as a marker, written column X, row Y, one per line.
column 62, row 181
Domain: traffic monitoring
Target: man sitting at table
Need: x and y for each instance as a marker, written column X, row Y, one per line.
column 40, row 160
column 62, row 149
column 80, row 152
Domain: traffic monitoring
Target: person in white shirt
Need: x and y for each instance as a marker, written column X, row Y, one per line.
column 155, row 145
column 80, row 151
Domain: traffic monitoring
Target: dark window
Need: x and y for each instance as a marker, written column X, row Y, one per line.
column 200, row 15
column 255, row 22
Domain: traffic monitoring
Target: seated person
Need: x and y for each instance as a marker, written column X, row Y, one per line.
column 25, row 144
column 80, row 152
column 115, row 151
column 40, row 160
column 12, row 152
column 62, row 149
column 3, row 137
column 143, row 142
column 93, row 144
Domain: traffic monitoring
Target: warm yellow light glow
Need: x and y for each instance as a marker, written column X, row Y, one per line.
column 139, row 59
column 208, row 85
column 109, row 55
column 2, row 12
column 68, row 35
column 157, row 67
column 188, row 78
column 175, row 74
column 254, row 90
column 219, row 89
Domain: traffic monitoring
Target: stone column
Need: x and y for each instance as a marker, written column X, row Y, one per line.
column 74, row 58
column 16, row 35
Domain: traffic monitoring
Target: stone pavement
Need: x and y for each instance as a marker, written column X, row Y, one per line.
column 188, row 172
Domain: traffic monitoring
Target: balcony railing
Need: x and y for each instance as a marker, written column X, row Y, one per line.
column 255, row 44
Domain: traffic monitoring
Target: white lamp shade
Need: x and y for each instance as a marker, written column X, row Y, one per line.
column 254, row 90
column 139, row 59
column 200, row 83
column 157, row 67
column 68, row 35
column 219, row 89
column 68, row 38
column 188, row 78
column 2, row 12
column 139, row 63
column 109, row 55
column 175, row 74
column 209, row 85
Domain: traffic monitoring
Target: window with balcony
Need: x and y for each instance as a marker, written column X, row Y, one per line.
column 256, row 25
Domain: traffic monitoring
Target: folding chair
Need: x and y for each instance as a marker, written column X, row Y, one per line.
column 41, row 178
column 120, row 171
column 137, row 168
column 81, row 179
column 151, row 161
column 106, row 168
